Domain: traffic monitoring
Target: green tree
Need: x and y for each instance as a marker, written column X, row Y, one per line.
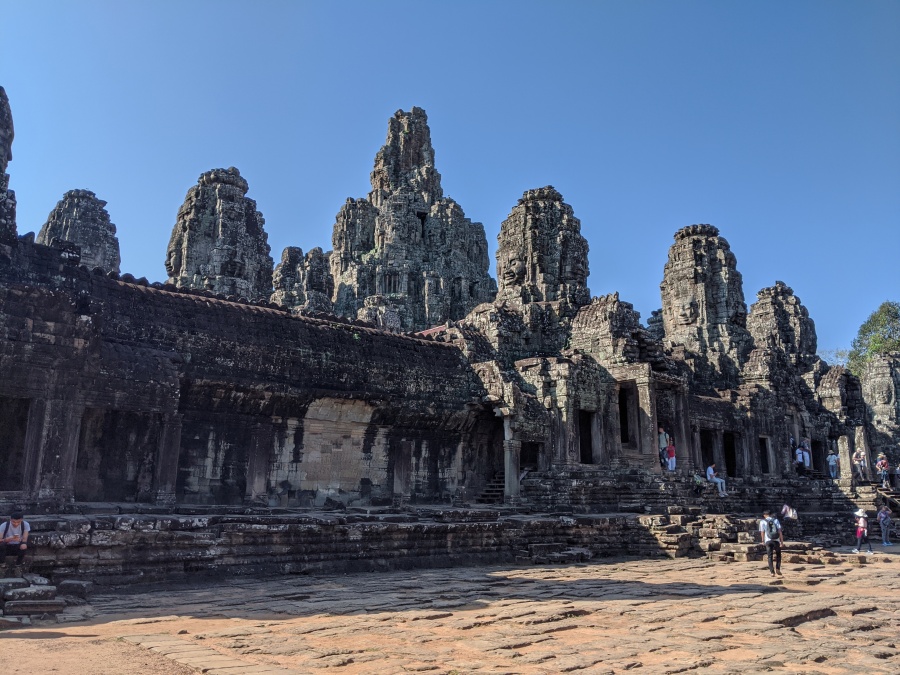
column 879, row 334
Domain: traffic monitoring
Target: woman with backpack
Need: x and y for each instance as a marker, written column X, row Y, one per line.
column 862, row 531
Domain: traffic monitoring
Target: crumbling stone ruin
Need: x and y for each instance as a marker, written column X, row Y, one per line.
column 81, row 219
column 229, row 385
column 218, row 242
column 303, row 282
column 406, row 242
column 881, row 391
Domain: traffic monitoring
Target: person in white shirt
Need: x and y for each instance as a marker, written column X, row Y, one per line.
column 713, row 477
column 14, row 537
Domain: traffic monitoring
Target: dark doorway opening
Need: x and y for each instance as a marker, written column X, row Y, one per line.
column 586, row 436
column 528, row 456
column 116, row 456
column 707, row 447
column 764, row 455
column 13, row 423
column 818, row 456
column 729, row 449
column 628, row 415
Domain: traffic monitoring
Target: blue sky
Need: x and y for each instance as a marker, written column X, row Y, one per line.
column 778, row 122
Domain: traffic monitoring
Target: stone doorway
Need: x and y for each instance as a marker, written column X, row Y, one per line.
column 765, row 465
column 729, row 450
column 586, row 436
column 13, row 423
column 116, row 456
column 707, row 448
column 817, row 450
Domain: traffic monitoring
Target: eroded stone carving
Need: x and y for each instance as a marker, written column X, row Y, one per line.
column 881, row 390
column 704, row 314
column 7, row 196
column 303, row 281
column 80, row 218
column 406, row 242
column 541, row 254
column 218, row 242
column 778, row 320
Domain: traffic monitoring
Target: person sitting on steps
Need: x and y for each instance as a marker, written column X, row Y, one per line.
column 14, row 534
column 712, row 477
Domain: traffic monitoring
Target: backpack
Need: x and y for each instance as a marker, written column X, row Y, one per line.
column 771, row 528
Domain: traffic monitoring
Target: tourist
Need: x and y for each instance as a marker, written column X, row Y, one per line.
column 884, row 520
column 862, row 531
column 773, row 537
column 15, row 533
column 712, row 477
column 798, row 461
column 807, row 457
column 664, row 441
column 884, row 471
column 670, row 456
column 788, row 511
column 834, row 464
column 859, row 463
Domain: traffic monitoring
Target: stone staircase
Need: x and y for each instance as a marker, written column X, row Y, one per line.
column 495, row 490
column 30, row 597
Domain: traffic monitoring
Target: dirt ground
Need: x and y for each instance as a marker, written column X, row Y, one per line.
column 612, row 616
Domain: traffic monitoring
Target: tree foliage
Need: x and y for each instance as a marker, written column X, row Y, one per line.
column 879, row 334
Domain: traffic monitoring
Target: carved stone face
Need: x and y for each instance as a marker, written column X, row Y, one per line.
column 512, row 269
column 173, row 262
column 687, row 313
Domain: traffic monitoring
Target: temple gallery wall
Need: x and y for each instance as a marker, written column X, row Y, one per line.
column 392, row 368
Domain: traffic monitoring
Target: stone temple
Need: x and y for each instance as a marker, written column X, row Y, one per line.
column 393, row 371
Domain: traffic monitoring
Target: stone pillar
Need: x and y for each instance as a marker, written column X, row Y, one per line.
column 845, row 453
column 862, row 443
column 511, row 450
column 647, row 436
column 259, row 460
column 697, row 450
column 168, row 450
column 684, row 440
column 51, row 449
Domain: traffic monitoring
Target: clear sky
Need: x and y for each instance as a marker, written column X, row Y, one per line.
column 778, row 122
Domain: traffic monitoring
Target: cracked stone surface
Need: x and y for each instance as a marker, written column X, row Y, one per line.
column 620, row 615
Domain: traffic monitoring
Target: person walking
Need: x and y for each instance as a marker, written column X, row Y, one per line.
column 772, row 536
column 670, row 456
column 834, row 464
column 663, row 443
column 884, row 520
column 884, row 471
column 862, row 531
column 859, row 462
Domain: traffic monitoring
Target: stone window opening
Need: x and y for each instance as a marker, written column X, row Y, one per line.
column 529, row 456
column 422, row 215
column 391, row 282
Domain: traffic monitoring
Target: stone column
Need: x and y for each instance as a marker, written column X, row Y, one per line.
column 684, row 441
column 647, row 433
column 168, row 450
column 719, row 453
column 259, row 461
column 845, row 453
column 51, row 450
column 511, row 450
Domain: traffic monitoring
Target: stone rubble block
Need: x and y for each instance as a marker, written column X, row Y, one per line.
column 30, row 593
column 20, row 607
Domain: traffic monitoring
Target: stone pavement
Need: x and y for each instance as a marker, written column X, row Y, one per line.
column 654, row 616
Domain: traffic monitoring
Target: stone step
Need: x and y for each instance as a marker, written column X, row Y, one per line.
column 20, row 607
column 29, row 593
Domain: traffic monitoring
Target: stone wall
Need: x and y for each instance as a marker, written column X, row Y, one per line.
column 7, row 196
